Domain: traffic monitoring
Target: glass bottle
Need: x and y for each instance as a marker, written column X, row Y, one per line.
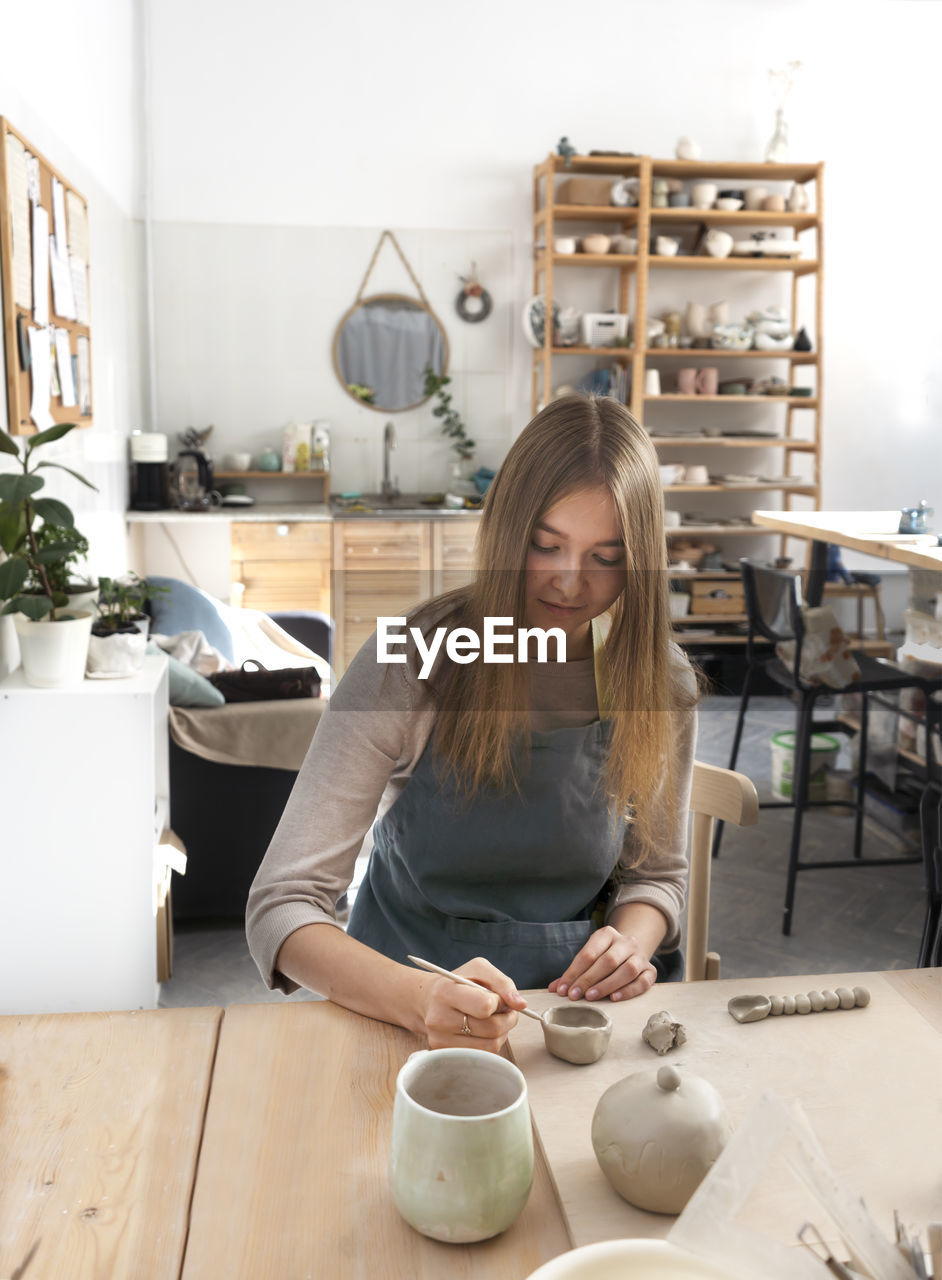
column 776, row 151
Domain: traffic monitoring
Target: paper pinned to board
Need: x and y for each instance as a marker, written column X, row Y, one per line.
column 707, row 1226
column 40, row 265
column 78, row 226
column 64, row 365
column 40, row 372
column 18, row 188
column 63, row 298
column 58, row 218
column 79, row 273
column 84, row 377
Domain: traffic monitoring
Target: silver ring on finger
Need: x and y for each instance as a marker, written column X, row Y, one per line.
column 465, row 1028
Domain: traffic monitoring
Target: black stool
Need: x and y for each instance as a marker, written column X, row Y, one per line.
column 773, row 605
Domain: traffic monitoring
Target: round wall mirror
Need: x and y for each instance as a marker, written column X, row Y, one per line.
column 382, row 345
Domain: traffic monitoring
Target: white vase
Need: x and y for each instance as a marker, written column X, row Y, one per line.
column 120, row 654
column 776, row 151
column 717, row 243
column 695, row 320
column 54, row 653
column 798, row 198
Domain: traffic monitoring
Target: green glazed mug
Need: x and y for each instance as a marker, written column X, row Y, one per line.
column 461, row 1162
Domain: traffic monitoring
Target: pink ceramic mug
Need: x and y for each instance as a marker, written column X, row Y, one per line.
column 686, row 381
column 708, row 381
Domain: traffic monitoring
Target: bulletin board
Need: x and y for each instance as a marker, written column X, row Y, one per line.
column 44, row 254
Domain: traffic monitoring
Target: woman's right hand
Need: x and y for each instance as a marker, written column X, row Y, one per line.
column 489, row 1014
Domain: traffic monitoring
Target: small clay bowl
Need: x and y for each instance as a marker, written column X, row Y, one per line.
column 596, row 244
column 732, row 389
column 729, row 204
column 576, row 1033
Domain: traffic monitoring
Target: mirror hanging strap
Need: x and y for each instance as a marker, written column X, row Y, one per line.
column 405, row 263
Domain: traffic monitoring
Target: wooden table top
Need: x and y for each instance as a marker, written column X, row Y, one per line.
column 101, row 1116
column 254, row 1143
column 292, row 1178
column 873, row 532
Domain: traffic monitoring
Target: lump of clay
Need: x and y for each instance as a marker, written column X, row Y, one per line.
column 662, row 1033
column 657, row 1134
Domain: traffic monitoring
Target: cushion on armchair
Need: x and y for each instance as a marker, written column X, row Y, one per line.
column 186, row 608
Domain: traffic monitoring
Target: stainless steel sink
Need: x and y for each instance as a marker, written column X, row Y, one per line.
column 403, row 504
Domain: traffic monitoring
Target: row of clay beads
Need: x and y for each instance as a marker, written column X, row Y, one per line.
column 816, row 1001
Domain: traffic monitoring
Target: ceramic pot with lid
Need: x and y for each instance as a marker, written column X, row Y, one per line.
column 657, row 1134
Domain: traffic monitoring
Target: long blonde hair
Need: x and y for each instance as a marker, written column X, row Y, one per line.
column 482, row 725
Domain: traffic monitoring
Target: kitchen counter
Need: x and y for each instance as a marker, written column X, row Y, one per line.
column 287, row 512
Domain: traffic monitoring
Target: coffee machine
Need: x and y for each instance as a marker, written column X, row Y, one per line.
column 150, row 485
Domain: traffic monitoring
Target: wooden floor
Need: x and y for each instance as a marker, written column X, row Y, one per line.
column 844, row 920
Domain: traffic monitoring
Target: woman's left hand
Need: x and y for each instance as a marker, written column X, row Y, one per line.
column 610, row 964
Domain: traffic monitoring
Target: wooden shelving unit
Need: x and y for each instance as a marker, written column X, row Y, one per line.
column 636, row 273
column 322, row 476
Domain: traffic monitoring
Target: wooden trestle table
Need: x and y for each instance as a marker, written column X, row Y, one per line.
column 252, row 1142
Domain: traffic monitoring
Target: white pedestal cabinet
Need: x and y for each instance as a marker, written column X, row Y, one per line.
column 83, row 803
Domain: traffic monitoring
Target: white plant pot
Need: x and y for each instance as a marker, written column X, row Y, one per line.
column 54, row 653
column 79, row 601
column 120, row 654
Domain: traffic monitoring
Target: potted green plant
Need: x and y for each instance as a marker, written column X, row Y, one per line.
column 82, row 591
column 119, row 632
column 53, row 639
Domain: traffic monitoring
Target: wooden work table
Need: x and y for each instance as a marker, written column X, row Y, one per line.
column 276, row 1120
column 873, row 532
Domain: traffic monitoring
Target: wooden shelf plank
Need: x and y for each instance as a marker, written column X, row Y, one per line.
column 706, row 169
column 735, row 442
column 629, row 260
column 270, row 475
column 799, row 402
column 710, row 353
column 686, row 262
column 716, row 530
column 740, row 218
column 807, row 490
column 589, row 213
column 618, row 166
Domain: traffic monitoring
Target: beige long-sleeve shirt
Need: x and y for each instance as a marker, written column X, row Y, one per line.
column 366, row 746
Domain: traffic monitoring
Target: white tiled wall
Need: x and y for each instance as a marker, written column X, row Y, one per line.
column 245, row 321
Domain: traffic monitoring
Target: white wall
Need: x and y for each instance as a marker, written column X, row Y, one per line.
column 428, row 118
column 70, row 82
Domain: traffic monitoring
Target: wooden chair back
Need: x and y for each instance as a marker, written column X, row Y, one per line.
column 730, row 797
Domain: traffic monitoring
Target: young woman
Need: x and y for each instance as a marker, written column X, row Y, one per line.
column 532, row 814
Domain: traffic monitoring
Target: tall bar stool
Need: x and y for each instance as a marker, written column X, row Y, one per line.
column 773, row 605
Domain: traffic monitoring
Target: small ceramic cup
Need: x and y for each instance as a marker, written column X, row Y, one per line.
column 774, row 204
column 596, row 243
column 687, row 381
column 703, row 194
column 697, row 474
column 671, row 519
column 565, row 244
column 678, row 200
column 624, row 244
column 461, row 1128
column 652, row 382
column 666, row 246
column 708, row 380
column 755, row 196
column 239, row 461
column 718, row 244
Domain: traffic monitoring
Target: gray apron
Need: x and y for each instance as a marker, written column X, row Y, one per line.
column 514, row 878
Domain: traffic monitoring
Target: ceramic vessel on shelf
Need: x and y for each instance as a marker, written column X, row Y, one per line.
column 595, row 244
column 755, row 196
column 565, row 244
column 239, row 461
column 774, row 204
column 656, row 1135
column 687, row 149
column 728, row 337
column 624, row 244
column 703, row 194
column 717, row 243
column 268, row 460
column 624, row 192
column 729, row 204
column 678, row 200
column 666, row 246
column 798, row 201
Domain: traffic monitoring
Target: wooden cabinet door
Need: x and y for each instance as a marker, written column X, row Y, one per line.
column 381, row 568
column 278, row 566
column 453, row 551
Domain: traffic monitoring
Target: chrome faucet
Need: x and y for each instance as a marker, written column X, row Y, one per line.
column 388, row 489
